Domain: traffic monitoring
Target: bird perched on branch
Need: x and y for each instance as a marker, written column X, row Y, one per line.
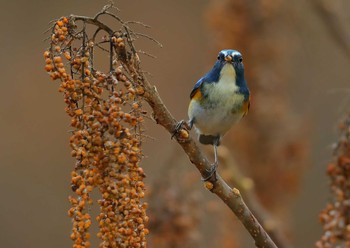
column 218, row 100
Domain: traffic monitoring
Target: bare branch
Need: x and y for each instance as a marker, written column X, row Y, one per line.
column 138, row 23
column 105, row 8
column 148, row 37
column 93, row 21
column 147, row 54
column 115, row 17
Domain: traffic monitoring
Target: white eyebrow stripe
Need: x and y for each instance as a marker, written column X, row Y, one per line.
column 236, row 53
column 231, row 52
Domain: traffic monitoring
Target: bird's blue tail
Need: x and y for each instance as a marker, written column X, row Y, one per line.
column 209, row 139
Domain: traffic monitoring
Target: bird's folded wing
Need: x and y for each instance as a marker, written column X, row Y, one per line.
column 196, row 89
column 246, row 106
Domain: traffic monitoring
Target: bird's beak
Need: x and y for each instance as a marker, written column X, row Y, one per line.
column 228, row 58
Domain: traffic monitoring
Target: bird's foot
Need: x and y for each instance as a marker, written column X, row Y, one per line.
column 179, row 131
column 211, row 172
column 177, row 128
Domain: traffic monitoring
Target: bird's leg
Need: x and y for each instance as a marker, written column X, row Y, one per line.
column 212, row 170
column 186, row 124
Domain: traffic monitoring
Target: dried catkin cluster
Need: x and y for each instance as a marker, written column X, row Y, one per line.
column 335, row 218
column 106, row 120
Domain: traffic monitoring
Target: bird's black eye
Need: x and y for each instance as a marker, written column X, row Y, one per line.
column 240, row 60
column 220, row 56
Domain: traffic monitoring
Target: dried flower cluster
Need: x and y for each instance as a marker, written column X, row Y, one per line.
column 106, row 117
column 335, row 218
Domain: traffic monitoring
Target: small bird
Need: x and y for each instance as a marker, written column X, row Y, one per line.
column 218, row 100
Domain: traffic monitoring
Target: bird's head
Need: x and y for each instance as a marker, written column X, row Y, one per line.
column 232, row 57
column 229, row 65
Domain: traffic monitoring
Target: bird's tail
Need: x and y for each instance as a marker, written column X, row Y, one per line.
column 209, row 139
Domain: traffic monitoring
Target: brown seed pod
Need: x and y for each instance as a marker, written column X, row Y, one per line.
column 78, row 112
column 49, row 67
column 46, row 54
column 57, row 59
column 67, row 55
column 65, row 20
column 60, row 23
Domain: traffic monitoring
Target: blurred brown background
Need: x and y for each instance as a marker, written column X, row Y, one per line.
column 307, row 61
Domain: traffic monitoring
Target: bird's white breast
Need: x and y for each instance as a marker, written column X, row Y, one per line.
column 224, row 91
column 221, row 108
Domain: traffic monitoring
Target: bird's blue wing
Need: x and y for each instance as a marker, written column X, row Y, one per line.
column 196, row 87
column 211, row 77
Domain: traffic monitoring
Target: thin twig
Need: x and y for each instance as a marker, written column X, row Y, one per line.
column 95, row 34
column 93, row 21
column 147, row 54
column 104, row 9
column 148, row 37
column 102, row 48
column 138, row 23
column 115, row 17
column 111, row 53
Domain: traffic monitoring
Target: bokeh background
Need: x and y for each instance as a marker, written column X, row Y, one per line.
column 297, row 61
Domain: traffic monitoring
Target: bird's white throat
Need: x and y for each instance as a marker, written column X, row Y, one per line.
column 224, row 90
column 227, row 80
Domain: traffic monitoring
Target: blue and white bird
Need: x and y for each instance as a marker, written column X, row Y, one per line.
column 218, row 101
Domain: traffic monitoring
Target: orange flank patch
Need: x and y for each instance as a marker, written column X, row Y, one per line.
column 245, row 107
column 197, row 95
